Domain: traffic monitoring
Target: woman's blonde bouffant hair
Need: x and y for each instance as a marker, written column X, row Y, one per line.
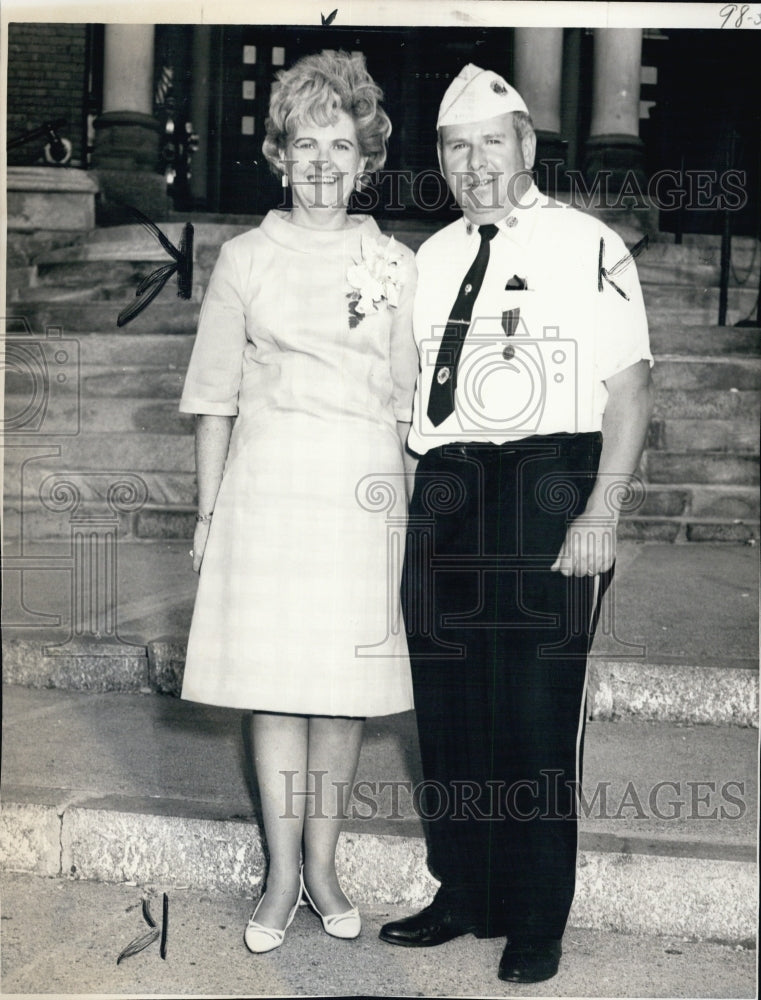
column 316, row 89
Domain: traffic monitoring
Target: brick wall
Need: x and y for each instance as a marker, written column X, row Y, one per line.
column 46, row 80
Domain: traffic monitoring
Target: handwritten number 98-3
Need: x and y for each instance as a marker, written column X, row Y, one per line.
column 728, row 11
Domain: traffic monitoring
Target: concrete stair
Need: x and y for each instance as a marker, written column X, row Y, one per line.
column 700, row 467
column 107, row 776
column 667, row 840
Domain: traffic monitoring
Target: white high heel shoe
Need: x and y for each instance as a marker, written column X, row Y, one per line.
column 260, row 939
column 339, row 925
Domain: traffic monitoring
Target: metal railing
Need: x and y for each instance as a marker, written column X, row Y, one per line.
column 57, row 148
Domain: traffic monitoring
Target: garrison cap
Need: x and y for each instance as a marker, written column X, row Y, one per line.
column 475, row 94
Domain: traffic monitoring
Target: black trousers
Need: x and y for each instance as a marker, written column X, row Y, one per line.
column 499, row 649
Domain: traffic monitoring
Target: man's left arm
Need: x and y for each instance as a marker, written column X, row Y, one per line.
column 590, row 543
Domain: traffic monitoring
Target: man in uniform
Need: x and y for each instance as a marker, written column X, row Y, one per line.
column 531, row 411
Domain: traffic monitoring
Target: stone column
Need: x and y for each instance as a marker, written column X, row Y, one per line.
column 127, row 136
column 538, row 61
column 614, row 143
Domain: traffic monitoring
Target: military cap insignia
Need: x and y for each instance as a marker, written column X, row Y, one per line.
column 498, row 88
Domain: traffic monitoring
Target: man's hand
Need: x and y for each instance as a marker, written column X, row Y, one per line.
column 590, row 542
column 589, row 547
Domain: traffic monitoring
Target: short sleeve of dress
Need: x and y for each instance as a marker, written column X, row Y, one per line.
column 214, row 373
column 622, row 338
column 404, row 354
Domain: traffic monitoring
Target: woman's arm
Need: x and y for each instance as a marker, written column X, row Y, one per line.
column 212, row 443
column 410, row 460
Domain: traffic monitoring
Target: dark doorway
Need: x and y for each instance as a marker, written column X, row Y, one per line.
column 709, row 122
column 413, row 66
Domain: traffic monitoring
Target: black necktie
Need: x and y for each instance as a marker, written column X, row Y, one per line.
column 441, row 400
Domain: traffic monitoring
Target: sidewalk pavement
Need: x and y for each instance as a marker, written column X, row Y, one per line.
column 134, row 787
column 205, row 954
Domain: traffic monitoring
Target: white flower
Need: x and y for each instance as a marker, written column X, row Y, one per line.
column 376, row 278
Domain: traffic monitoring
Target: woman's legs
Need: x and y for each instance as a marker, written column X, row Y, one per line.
column 334, row 746
column 280, row 744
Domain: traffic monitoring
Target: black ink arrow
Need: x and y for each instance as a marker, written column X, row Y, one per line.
column 182, row 264
column 620, row 265
column 142, row 941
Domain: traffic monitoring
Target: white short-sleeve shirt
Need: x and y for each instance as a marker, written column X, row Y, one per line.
column 549, row 325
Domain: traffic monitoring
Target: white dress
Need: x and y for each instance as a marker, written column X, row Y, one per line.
column 297, row 607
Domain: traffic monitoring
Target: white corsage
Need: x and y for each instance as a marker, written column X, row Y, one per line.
column 375, row 279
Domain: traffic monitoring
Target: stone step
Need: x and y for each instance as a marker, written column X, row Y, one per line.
column 103, row 271
column 17, row 278
column 686, row 388
column 701, row 467
column 696, row 305
column 152, row 444
column 724, row 693
column 737, row 367
column 109, row 413
column 663, row 500
column 653, row 657
column 668, row 510
column 672, row 304
column 112, row 349
column 141, row 385
column 698, row 264
column 708, row 404
column 711, row 341
column 707, row 241
column 675, row 530
column 166, row 314
column 106, row 263
column 699, row 501
column 172, row 799
column 134, row 242
column 123, row 400
column 113, row 272
column 675, row 434
column 87, row 451
column 704, row 372
column 70, row 295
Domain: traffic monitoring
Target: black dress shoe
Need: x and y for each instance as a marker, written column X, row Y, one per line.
column 434, row 925
column 530, row 961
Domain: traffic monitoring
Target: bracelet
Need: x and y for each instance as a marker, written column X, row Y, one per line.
column 204, row 517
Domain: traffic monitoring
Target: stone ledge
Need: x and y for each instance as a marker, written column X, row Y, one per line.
column 30, row 836
column 50, row 198
column 705, row 898
column 51, row 180
column 80, row 665
column 672, row 692
column 722, row 694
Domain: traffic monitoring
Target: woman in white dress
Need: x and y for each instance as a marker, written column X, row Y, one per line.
column 302, row 376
